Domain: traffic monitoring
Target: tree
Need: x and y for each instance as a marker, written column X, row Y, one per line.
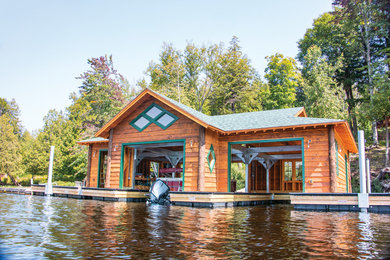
column 209, row 79
column 323, row 95
column 102, row 95
column 69, row 159
column 338, row 39
column 11, row 109
column 166, row 77
column 283, row 79
column 372, row 33
column 235, row 83
column 9, row 149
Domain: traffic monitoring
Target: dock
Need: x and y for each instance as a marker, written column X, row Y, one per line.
column 378, row 202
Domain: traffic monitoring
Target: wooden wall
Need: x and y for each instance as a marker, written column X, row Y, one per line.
column 316, row 155
column 95, row 163
column 211, row 138
column 316, row 151
column 258, row 177
column 183, row 128
column 341, row 183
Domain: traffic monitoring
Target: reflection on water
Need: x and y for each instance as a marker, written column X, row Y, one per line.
column 33, row 227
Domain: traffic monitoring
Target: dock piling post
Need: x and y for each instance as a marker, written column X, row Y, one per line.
column 49, row 185
column 362, row 196
column 368, row 174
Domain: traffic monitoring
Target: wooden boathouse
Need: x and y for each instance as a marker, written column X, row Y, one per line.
column 283, row 150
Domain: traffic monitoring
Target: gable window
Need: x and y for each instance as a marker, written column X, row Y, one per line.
column 153, row 114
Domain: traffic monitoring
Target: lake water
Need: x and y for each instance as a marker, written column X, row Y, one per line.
column 33, row 227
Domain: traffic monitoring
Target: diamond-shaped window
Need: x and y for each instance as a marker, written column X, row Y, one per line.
column 153, row 114
column 211, row 158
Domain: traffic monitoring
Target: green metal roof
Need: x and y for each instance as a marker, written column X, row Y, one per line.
column 254, row 120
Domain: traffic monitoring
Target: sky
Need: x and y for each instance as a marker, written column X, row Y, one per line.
column 45, row 44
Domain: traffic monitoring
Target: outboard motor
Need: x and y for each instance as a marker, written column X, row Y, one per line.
column 159, row 193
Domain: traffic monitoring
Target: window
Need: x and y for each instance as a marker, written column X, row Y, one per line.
column 292, row 175
column 298, row 170
column 211, row 158
column 154, row 114
column 288, row 171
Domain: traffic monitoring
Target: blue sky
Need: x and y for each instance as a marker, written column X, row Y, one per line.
column 44, row 45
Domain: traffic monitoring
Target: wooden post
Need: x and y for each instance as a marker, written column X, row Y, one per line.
column 107, row 183
column 332, row 160
column 88, row 179
column 134, row 168
column 49, row 185
column 201, row 158
column 246, row 177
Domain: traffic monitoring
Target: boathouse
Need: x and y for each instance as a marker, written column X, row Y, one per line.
column 283, row 150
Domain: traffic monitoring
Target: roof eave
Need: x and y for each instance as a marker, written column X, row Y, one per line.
column 91, row 142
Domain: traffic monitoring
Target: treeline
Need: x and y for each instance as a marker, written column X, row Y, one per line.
column 341, row 71
column 102, row 94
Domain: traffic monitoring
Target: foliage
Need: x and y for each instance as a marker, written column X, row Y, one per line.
column 102, row 95
column 323, row 96
column 236, row 85
column 283, row 79
column 209, row 79
column 238, row 174
column 9, row 149
column 69, row 158
column 376, row 186
column 11, row 109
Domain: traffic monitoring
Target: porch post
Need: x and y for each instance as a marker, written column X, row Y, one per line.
column 201, row 158
column 247, row 177
column 332, row 160
column 267, row 180
column 134, row 169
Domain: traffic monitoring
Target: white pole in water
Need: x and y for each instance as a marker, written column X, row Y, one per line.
column 368, row 175
column 362, row 196
column 362, row 162
column 49, row 185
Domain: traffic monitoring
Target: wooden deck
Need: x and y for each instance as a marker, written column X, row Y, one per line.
column 193, row 199
column 378, row 202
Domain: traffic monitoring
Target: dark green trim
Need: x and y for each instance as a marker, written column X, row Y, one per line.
column 150, row 142
column 346, row 171
column 337, row 159
column 184, row 160
column 153, row 120
column 212, row 163
column 98, row 173
column 303, row 164
column 229, row 166
column 269, row 141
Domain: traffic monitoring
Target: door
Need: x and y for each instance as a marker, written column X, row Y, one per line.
column 103, row 154
column 292, row 175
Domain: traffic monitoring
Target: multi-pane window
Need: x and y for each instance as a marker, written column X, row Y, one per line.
column 153, row 114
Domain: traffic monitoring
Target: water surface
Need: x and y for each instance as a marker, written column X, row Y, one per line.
column 33, row 227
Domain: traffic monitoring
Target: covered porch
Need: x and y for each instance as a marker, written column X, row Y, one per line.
column 144, row 162
column 272, row 166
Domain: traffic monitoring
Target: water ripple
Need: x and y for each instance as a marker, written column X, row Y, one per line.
column 33, row 227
